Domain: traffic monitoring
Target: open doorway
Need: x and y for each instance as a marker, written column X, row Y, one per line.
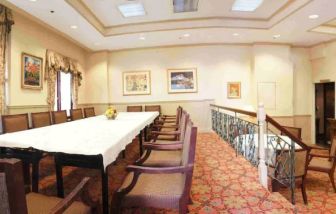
column 324, row 109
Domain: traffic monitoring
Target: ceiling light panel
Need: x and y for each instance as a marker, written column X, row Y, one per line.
column 132, row 9
column 181, row 6
column 246, row 5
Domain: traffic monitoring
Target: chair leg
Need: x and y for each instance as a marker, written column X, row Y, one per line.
column 303, row 189
column 331, row 176
column 124, row 153
column 190, row 200
column 183, row 206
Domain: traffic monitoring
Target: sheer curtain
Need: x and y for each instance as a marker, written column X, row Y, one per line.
column 6, row 22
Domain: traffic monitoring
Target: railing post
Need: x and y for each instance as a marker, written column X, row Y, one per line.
column 262, row 168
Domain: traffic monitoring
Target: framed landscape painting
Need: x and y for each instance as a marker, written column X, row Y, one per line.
column 182, row 80
column 233, row 90
column 31, row 71
column 136, row 83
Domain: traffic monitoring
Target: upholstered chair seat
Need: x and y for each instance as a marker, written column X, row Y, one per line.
column 163, row 158
column 319, row 163
column 155, row 190
column 38, row 203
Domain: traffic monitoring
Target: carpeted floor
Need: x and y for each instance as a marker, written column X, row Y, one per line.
column 222, row 183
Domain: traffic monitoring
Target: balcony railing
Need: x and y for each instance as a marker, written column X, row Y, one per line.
column 256, row 136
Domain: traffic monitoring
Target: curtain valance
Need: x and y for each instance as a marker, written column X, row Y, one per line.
column 56, row 62
column 6, row 18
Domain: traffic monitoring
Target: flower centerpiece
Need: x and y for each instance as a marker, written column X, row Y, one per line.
column 111, row 113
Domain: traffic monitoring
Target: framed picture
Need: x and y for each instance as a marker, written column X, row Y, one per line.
column 182, row 80
column 233, row 90
column 136, row 83
column 31, row 71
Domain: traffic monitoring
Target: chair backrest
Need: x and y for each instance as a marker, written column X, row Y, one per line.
column 41, row 119
column 134, row 108
column 179, row 111
column 59, row 116
column 189, row 144
column 89, row 112
column 293, row 130
column 183, row 124
column 12, row 192
column 76, row 114
column 153, row 108
column 14, row 123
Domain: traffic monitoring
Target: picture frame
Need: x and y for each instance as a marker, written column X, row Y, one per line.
column 182, row 80
column 136, row 83
column 31, row 72
column 234, row 90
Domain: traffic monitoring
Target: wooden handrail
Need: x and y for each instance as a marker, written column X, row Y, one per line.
column 270, row 120
column 250, row 113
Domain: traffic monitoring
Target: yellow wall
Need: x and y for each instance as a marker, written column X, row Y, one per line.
column 32, row 38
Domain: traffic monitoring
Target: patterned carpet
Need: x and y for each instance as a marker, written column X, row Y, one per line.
column 222, row 183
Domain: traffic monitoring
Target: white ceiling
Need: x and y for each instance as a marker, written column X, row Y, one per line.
column 102, row 27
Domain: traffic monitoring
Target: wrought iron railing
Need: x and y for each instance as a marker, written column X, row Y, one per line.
column 250, row 136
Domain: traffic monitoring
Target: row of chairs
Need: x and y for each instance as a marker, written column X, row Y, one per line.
column 138, row 108
column 162, row 177
column 19, row 122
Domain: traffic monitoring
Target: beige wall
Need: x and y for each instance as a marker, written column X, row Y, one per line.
column 32, row 38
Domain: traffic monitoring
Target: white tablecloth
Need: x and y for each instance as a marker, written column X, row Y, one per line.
column 91, row 136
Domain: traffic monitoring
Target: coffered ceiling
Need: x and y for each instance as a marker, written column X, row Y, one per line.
column 99, row 25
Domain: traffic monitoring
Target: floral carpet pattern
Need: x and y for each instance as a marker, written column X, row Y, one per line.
column 222, row 183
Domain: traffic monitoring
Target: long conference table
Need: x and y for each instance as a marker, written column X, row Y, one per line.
column 92, row 143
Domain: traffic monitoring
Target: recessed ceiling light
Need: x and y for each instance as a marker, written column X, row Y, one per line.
column 186, row 35
column 276, row 36
column 246, row 5
column 73, row 26
column 33, row 0
column 235, row 34
column 142, row 38
column 313, row 16
column 132, row 9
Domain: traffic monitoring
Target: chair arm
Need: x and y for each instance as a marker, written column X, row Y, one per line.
column 158, row 170
column 166, row 133
column 169, row 116
column 321, row 156
column 166, row 126
column 67, row 201
column 311, row 146
column 176, row 145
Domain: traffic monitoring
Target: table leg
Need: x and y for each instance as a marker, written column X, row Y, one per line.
column 35, row 175
column 146, row 133
column 59, row 180
column 140, row 143
column 104, row 175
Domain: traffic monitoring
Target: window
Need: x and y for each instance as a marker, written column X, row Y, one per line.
column 63, row 93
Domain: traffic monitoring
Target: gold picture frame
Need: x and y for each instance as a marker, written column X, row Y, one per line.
column 136, row 83
column 234, row 90
column 182, row 80
column 31, row 72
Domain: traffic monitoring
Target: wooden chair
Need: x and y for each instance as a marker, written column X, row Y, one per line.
column 19, row 122
column 41, row 119
column 164, row 153
column 14, row 123
column 134, row 108
column 153, row 108
column 324, row 163
column 89, row 112
column 59, row 117
column 14, row 199
column 161, row 187
column 76, row 114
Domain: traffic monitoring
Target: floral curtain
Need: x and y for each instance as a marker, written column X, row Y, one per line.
column 56, row 62
column 6, row 22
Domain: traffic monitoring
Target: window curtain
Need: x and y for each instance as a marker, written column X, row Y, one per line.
column 56, row 62
column 6, row 22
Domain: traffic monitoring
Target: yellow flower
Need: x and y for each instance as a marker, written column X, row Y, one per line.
column 110, row 112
